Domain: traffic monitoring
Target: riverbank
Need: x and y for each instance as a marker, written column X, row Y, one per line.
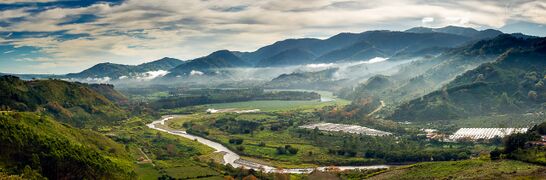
column 235, row 160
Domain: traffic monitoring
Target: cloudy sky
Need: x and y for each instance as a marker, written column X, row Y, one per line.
column 61, row 36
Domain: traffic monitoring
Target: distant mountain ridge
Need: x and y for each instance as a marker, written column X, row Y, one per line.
column 115, row 71
column 461, row 31
column 342, row 47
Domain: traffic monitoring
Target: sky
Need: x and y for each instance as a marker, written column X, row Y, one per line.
column 63, row 36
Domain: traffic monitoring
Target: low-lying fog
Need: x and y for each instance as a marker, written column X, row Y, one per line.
column 356, row 71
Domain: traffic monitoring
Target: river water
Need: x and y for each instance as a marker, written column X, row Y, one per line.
column 235, row 160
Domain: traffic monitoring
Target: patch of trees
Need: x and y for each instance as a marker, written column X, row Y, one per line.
column 287, row 149
column 167, row 148
column 523, row 146
column 234, row 126
column 389, row 149
column 237, row 141
column 517, row 141
column 196, row 129
column 184, row 97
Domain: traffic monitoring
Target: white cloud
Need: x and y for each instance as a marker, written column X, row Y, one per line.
column 426, row 20
column 152, row 75
column 196, row 73
column 137, row 31
column 321, row 65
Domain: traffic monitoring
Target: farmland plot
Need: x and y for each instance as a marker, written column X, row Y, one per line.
column 347, row 129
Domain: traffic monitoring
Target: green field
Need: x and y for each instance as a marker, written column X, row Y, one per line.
column 276, row 105
column 147, row 172
column 172, row 155
column 466, row 169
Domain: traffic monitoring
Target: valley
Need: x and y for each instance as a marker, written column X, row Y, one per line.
column 424, row 103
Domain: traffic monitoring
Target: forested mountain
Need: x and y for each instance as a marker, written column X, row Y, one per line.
column 75, row 103
column 209, row 64
column 343, row 47
column 513, row 83
column 294, row 56
column 360, row 50
column 355, row 46
column 117, row 71
column 423, row 76
column 316, row 80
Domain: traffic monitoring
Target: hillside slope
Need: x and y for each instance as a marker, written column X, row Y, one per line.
column 426, row 75
column 58, row 151
column 75, row 103
column 514, row 83
column 466, row 169
column 208, row 64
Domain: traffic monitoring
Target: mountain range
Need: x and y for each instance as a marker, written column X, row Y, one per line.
column 343, row 47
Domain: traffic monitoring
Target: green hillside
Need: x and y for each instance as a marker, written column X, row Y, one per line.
column 302, row 80
column 425, row 75
column 466, row 169
column 514, row 83
column 58, row 151
column 78, row 104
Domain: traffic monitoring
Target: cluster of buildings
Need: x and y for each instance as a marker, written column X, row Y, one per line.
column 355, row 129
column 232, row 110
column 484, row 133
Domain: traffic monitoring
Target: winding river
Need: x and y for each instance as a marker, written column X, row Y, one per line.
column 235, row 160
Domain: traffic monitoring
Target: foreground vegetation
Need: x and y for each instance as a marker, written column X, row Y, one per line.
column 275, row 137
column 466, row 169
column 40, row 143
column 36, row 145
column 80, row 105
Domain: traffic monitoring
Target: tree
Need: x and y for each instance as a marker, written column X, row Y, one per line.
column 240, row 148
column 517, row 141
column 495, row 154
column 171, row 149
column 250, row 177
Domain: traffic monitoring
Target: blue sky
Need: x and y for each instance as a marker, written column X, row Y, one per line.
column 62, row 36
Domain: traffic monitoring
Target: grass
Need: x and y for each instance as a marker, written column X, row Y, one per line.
column 187, row 172
column 275, row 105
column 466, row 169
column 272, row 140
column 184, row 165
column 501, row 121
column 147, row 171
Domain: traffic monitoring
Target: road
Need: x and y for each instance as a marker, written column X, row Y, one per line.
column 378, row 108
